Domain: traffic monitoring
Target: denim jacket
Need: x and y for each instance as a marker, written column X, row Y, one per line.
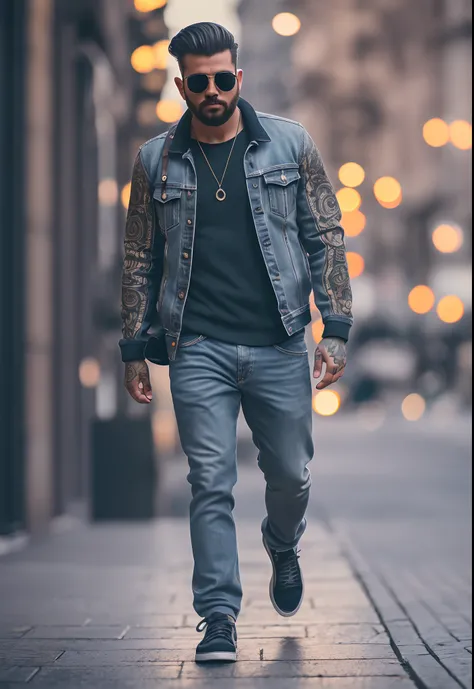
column 297, row 221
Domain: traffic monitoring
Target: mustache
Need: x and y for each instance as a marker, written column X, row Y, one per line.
column 213, row 101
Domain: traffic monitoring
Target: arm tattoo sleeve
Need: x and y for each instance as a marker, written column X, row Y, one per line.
column 138, row 280
column 325, row 234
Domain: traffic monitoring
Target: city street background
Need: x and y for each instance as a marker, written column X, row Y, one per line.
column 95, row 564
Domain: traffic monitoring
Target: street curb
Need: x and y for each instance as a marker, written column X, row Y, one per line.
column 423, row 667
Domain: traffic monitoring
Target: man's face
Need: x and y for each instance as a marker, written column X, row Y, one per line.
column 212, row 107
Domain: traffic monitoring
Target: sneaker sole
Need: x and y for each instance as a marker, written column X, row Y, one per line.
column 272, row 585
column 216, row 656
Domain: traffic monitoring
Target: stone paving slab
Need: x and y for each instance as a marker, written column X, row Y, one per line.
column 57, row 680
column 412, row 612
column 76, row 614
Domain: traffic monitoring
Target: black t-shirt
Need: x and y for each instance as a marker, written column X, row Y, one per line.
column 231, row 297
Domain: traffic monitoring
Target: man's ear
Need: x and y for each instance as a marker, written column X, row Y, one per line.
column 180, row 86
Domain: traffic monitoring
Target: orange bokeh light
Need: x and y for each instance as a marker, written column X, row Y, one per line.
column 355, row 263
column 436, row 133
column 448, row 238
column 352, row 175
column 169, row 111
column 354, row 223
column 317, row 329
column 450, row 309
column 460, row 133
column 143, row 59
column 125, row 195
column 421, row 299
column 349, row 200
column 388, row 191
column 149, row 5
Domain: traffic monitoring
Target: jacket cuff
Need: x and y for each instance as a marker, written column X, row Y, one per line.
column 337, row 329
column 132, row 350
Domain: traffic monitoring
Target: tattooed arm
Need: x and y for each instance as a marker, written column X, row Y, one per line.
column 319, row 222
column 141, row 277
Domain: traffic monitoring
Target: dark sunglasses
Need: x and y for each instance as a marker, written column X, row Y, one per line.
column 224, row 81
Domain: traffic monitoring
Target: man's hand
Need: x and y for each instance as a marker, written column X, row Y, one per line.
column 332, row 352
column 137, row 381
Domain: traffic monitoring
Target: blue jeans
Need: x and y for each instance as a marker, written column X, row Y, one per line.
column 210, row 381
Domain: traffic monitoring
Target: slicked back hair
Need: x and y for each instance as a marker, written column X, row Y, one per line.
column 204, row 38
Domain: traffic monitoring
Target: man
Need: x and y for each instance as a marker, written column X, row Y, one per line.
column 232, row 222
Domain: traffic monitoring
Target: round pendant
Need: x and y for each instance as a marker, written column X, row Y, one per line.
column 221, row 195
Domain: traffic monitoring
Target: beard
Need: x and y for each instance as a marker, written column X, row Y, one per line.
column 218, row 119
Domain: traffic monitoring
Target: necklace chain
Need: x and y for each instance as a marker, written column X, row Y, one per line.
column 220, row 193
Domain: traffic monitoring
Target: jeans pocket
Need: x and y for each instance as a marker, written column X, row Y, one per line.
column 294, row 345
column 190, row 340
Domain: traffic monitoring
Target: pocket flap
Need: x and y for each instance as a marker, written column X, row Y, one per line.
column 282, row 177
column 171, row 194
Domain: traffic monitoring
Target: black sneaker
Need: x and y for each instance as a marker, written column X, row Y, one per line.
column 220, row 641
column 286, row 585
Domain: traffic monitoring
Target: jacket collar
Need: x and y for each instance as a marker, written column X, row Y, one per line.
column 182, row 134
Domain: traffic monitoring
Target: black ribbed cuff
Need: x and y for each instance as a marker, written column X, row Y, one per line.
column 132, row 350
column 337, row 329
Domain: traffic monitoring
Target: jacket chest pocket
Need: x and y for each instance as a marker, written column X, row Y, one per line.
column 168, row 207
column 282, row 188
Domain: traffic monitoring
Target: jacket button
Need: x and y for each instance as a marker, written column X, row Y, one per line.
column 173, row 344
column 255, row 186
column 164, row 196
column 283, row 178
column 258, row 209
column 186, row 255
column 190, row 193
column 190, row 222
column 181, row 295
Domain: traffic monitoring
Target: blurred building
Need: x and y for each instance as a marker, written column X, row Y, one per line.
column 64, row 73
column 370, row 75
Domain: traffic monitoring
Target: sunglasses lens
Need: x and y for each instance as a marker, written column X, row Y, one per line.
column 197, row 83
column 225, row 81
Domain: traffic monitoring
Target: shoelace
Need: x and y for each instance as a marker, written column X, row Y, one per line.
column 288, row 568
column 221, row 627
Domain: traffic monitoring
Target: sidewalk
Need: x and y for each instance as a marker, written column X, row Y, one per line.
column 110, row 607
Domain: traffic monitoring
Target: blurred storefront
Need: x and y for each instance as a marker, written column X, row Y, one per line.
column 64, row 66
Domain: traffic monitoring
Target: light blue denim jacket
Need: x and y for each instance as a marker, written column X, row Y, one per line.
column 297, row 221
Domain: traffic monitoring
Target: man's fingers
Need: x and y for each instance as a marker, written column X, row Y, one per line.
column 327, row 380
column 318, row 363
column 145, row 388
column 138, row 394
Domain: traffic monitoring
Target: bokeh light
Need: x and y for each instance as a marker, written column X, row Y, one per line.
column 388, row 191
column 413, row 407
column 326, row 402
column 108, row 192
column 286, row 24
column 317, row 329
column 421, row 299
column 460, row 133
column 436, row 133
column 143, row 59
column 349, row 200
column 169, row 111
column 352, row 175
column 89, row 373
column 355, row 263
column 390, row 205
column 354, row 223
column 448, row 238
column 161, row 54
column 125, row 195
column 450, row 309
column 149, row 5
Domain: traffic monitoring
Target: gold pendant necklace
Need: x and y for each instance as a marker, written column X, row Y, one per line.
column 220, row 193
